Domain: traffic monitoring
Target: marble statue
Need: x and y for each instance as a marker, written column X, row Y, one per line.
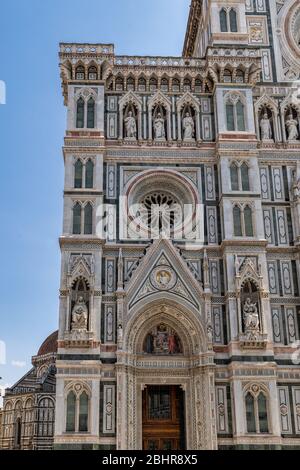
column 188, row 127
column 292, row 128
column 80, row 315
column 130, row 125
column 265, row 127
column 159, row 127
column 251, row 317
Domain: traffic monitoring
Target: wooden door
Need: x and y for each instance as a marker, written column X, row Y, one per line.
column 163, row 418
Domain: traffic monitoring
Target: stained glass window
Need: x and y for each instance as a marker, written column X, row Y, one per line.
column 83, row 412
column 78, row 174
column 262, row 413
column 245, row 177
column 89, row 174
column 237, row 221
column 71, row 403
column 223, row 21
column 88, row 219
column 80, row 114
column 234, row 178
column 248, row 221
column 77, row 219
column 91, row 114
column 250, row 413
column 233, row 21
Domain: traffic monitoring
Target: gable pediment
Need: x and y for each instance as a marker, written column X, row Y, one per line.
column 163, row 271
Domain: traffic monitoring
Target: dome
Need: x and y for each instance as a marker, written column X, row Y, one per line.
column 49, row 345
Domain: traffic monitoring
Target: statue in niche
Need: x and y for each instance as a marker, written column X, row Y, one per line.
column 292, row 127
column 159, row 127
column 80, row 315
column 265, row 127
column 251, row 317
column 188, row 127
column 130, row 125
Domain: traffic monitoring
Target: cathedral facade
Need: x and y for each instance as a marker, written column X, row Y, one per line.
column 179, row 299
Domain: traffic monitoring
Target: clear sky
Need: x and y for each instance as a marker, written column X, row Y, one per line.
column 32, row 125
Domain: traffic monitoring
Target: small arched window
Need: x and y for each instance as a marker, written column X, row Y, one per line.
column 257, row 413
column 78, row 174
column 18, row 433
column 89, row 174
column 142, row 84
column 92, row 73
column 88, row 219
column 233, row 21
column 83, row 412
column 164, row 84
column 240, row 76
column 227, row 76
column 245, row 177
column 234, row 176
column 198, row 85
column 80, row 73
column 153, row 84
column 77, row 219
column 80, row 113
column 91, row 113
column 237, row 223
column 187, row 84
column 130, row 84
column 176, row 85
column 119, row 84
column 71, row 412
column 248, row 221
column 223, row 21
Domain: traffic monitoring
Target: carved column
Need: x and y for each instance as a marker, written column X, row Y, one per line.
column 169, row 134
column 179, row 137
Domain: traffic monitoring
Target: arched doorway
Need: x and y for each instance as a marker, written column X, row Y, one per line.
column 165, row 383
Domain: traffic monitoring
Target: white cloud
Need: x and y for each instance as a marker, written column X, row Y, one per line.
column 18, row 363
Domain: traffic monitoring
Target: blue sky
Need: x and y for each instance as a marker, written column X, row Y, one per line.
column 32, row 125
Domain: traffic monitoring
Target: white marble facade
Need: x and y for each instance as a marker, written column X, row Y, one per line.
column 216, row 130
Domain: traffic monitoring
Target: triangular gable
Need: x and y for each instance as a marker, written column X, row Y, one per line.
column 163, row 270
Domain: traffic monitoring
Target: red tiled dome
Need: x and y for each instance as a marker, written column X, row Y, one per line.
column 49, row 345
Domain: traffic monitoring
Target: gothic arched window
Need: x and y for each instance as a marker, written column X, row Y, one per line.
column 187, row 84
column 18, row 433
column 80, row 73
column 223, row 21
column 245, row 177
column 257, row 413
column 153, row 84
column 78, row 174
column 250, row 413
column 92, row 73
column 227, row 76
column 164, row 84
column 234, row 176
column 240, row 116
column 88, row 219
column 248, row 221
column 77, row 219
column 91, row 113
column 71, row 412
column 262, row 413
column 233, row 21
column 175, row 85
column 130, row 84
column 80, row 113
column 119, row 84
column 83, row 412
column 237, row 223
column 89, row 174
column 142, row 84
column 235, row 115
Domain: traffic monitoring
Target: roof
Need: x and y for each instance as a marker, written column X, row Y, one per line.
column 192, row 28
column 49, row 345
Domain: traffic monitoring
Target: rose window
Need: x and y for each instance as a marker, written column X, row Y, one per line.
column 160, row 211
